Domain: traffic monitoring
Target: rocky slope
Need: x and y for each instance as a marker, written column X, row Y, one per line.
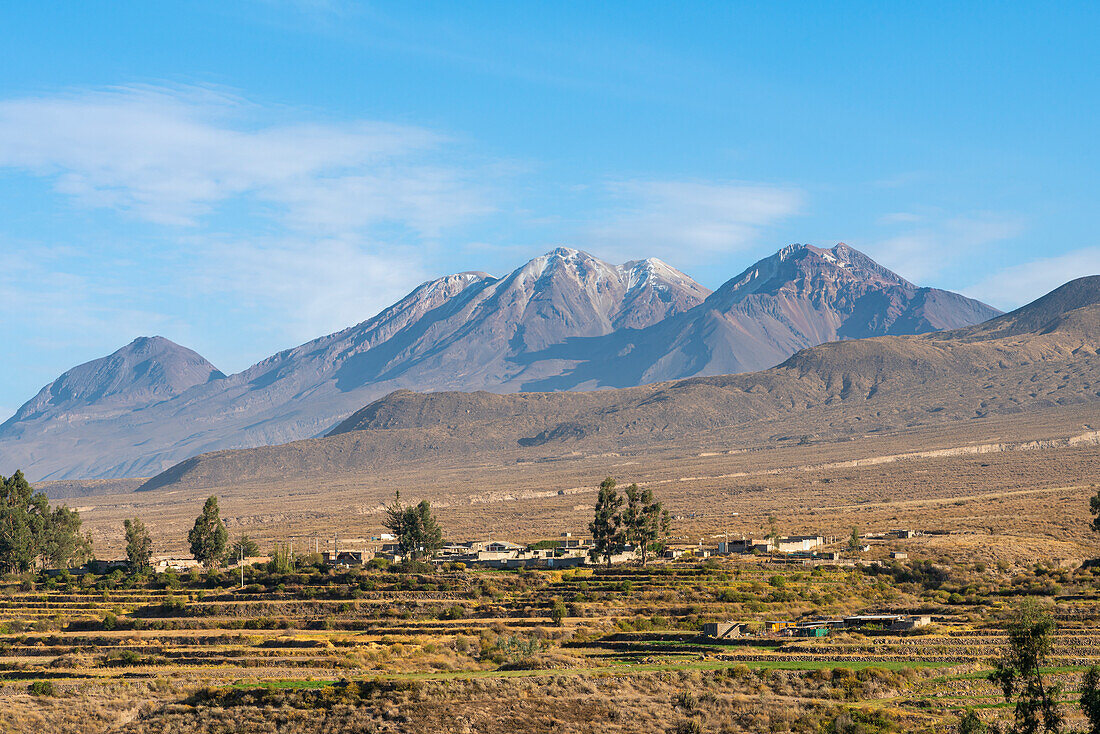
column 800, row 297
column 1040, row 357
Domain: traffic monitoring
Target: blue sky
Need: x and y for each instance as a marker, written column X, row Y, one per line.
column 241, row 177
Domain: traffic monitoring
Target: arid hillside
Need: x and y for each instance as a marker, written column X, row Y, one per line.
column 1042, row 356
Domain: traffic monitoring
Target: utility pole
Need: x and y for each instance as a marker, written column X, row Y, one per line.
column 242, row 562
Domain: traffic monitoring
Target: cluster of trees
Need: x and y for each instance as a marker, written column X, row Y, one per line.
column 208, row 538
column 417, row 532
column 634, row 517
column 31, row 534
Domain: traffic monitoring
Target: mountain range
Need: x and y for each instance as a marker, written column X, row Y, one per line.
column 563, row 321
column 1036, row 367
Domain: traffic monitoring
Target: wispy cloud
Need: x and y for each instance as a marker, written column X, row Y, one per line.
column 1014, row 286
column 173, row 155
column 53, row 304
column 316, row 287
column 687, row 221
column 929, row 243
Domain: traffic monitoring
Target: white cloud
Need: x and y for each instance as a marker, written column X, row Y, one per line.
column 173, row 155
column 314, row 287
column 53, row 305
column 923, row 252
column 1019, row 284
column 683, row 220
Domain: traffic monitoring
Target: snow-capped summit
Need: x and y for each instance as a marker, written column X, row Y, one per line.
column 563, row 320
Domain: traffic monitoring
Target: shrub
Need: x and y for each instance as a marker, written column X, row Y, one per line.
column 558, row 612
column 686, row 700
column 42, row 688
column 690, row 726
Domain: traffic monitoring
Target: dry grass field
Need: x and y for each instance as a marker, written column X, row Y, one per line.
column 1013, row 487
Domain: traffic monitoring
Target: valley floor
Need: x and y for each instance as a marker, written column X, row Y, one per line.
column 1000, row 507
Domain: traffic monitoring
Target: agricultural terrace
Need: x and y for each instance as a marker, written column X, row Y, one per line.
column 421, row 648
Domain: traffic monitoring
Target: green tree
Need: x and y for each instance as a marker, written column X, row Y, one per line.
column 605, row 525
column 1030, row 639
column 1094, row 508
column 23, row 518
column 415, row 527
column 246, row 547
column 853, row 539
column 558, row 612
column 139, row 546
column 30, row 533
column 644, row 522
column 208, row 536
column 969, row 723
column 282, row 558
column 1090, row 698
column 63, row 545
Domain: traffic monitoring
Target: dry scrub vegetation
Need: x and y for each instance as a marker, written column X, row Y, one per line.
column 451, row 649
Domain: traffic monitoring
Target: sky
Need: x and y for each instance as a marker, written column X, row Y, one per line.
column 241, row 177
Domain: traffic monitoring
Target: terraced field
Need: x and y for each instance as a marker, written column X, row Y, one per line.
column 167, row 653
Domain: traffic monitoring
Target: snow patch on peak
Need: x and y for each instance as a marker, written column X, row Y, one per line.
column 567, row 253
column 636, row 273
column 789, row 250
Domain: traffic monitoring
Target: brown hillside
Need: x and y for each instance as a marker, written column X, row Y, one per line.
column 1038, row 357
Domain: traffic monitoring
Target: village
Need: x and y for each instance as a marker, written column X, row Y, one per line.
column 566, row 551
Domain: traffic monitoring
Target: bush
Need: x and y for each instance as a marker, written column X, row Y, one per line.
column 42, row 688
column 558, row 612
column 456, row 612
column 690, row 726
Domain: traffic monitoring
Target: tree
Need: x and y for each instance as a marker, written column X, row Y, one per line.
column 246, row 547
column 644, row 522
column 1094, row 508
column 1030, row 639
column 282, row 558
column 139, row 546
column 415, row 527
column 208, row 536
column 969, row 723
column 30, row 533
column 1090, row 698
column 64, row 546
column 558, row 611
column 23, row 517
column 605, row 524
column 853, row 540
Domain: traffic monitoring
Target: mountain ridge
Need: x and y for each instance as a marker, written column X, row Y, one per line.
column 641, row 321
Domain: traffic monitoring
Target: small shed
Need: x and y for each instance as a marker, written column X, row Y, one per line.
column 722, row 630
column 812, row 631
